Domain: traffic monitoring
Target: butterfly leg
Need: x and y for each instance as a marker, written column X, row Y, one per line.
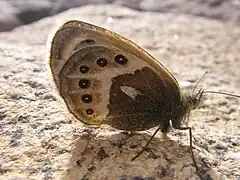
column 191, row 147
column 145, row 147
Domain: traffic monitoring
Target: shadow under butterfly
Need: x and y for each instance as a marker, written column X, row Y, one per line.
column 105, row 78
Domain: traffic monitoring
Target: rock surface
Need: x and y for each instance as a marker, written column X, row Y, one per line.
column 40, row 139
column 19, row 12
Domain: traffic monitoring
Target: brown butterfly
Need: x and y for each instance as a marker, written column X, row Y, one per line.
column 105, row 78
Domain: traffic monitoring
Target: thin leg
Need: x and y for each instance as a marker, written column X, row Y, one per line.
column 145, row 147
column 191, row 147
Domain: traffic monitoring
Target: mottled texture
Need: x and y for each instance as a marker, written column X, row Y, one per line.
column 40, row 139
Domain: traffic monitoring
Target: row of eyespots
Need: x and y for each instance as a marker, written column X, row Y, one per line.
column 86, row 98
column 120, row 59
column 102, row 62
column 85, row 83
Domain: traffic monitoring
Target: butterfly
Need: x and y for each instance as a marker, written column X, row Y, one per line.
column 104, row 78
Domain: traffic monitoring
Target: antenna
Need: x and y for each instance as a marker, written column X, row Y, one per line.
column 201, row 91
column 199, row 81
column 224, row 93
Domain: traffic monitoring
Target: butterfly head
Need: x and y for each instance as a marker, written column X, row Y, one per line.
column 181, row 113
column 191, row 102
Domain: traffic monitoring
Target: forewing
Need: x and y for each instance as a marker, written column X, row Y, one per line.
column 114, row 93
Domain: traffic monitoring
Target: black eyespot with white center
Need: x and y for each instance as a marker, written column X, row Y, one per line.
column 102, row 62
column 87, row 98
column 84, row 83
column 120, row 59
column 83, row 69
column 89, row 111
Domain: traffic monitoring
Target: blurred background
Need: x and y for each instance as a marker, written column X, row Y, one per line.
column 15, row 13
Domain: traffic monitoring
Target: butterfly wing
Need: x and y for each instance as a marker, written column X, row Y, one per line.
column 105, row 78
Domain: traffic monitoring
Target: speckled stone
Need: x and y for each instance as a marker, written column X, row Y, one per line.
column 40, row 139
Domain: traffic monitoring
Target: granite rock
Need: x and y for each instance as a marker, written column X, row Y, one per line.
column 40, row 139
